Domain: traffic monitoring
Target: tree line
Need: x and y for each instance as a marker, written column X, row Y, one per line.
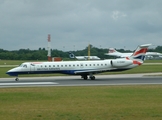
column 41, row 53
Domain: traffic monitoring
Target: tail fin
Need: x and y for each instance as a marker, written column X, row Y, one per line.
column 112, row 50
column 71, row 55
column 140, row 52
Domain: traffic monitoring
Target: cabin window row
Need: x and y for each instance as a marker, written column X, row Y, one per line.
column 74, row 65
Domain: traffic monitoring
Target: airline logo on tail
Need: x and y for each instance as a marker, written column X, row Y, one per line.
column 139, row 54
column 111, row 50
column 71, row 55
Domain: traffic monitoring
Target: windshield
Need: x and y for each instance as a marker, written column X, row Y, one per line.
column 23, row 65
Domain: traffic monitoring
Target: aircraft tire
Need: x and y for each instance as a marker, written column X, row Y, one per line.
column 85, row 77
column 92, row 77
column 17, row 79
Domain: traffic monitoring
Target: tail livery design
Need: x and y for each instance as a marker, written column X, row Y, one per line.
column 140, row 52
column 112, row 50
column 71, row 55
column 138, row 56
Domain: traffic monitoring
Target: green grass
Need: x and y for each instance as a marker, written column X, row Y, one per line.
column 18, row 62
column 14, row 62
column 140, row 69
column 82, row 103
column 153, row 61
column 142, row 102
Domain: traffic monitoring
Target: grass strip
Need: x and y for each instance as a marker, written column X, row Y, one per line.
column 82, row 103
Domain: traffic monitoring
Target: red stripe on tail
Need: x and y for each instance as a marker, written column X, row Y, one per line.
column 140, row 51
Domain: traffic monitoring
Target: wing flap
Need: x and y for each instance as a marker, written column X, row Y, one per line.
column 90, row 71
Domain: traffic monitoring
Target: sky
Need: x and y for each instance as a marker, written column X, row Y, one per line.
column 73, row 24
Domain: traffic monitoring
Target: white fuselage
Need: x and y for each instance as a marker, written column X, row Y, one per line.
column 72, row 67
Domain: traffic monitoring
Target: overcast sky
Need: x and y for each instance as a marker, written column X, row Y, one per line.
column 73, row 24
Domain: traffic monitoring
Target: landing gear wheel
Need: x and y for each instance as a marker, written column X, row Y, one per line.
column 84, row 77
column 92, row 77
column 17, row 79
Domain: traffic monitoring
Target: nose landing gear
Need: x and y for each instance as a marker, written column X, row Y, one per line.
column 17, row 79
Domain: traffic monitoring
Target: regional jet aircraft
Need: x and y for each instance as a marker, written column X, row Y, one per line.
column 83, row 68
column 113, row 52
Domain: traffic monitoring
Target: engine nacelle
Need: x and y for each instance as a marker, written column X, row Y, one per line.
column 118, row 63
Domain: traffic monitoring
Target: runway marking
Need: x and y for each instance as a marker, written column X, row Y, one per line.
column 30, row 83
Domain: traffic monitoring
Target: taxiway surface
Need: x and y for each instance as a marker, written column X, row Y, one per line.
column 122, row 79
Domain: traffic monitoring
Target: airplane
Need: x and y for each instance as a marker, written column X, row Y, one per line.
column 152, row 55
column 82, row 68
column 149, row 55
column 113, row 52
column 71, row 55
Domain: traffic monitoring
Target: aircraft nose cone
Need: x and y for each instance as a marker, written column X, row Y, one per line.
column 11, row 73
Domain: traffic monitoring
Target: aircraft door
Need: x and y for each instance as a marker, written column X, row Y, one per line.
column 81, row 65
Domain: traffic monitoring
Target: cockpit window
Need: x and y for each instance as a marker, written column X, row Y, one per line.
column 25, row 66
column 21, row 65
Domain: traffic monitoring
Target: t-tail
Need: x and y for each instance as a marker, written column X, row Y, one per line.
column 139, row 55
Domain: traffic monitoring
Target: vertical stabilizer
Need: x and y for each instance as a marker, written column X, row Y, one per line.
column 140, row 52
column 112, row 50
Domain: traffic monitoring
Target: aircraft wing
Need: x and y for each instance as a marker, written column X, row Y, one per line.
column 90, row 71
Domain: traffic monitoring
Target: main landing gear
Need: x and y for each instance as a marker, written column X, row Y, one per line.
column 85, row 77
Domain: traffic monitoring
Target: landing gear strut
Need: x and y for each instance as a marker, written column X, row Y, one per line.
column 92, row 77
